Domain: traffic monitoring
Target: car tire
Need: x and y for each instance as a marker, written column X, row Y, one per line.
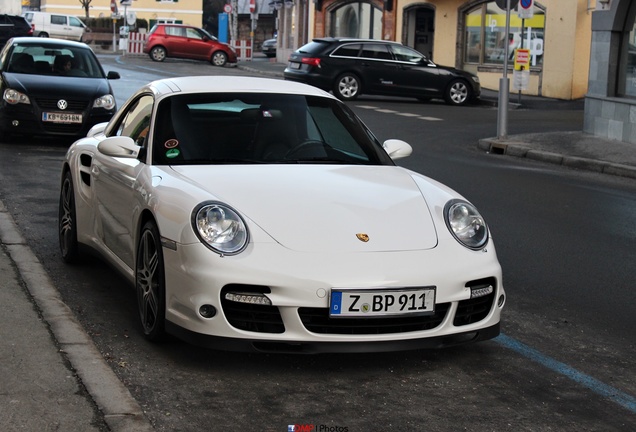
column 150, row 283
column 458, row 93
column 158, row 53
column 219, row 58
column 43, row 35
column 347, row 87
column 67, row 221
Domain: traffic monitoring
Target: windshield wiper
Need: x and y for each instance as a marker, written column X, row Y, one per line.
column 317, row 160
column 224, row 161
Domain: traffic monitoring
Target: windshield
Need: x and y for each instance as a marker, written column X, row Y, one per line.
column 48, row 59
column 208, row 35
column 261, row 128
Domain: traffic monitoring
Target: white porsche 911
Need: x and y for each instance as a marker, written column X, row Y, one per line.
column 260, row 214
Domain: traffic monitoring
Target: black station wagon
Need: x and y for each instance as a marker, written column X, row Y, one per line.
column 351, row 67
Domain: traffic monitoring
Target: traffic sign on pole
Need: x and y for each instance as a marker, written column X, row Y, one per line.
column 526, row 9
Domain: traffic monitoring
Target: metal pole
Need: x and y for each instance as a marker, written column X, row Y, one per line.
column 504, row 84
column 522, row 36
column 114, row 37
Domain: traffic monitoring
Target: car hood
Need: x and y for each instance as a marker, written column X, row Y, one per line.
column 317, row 208
column 57, row 86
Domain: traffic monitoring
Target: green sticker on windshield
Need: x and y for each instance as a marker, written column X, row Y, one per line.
column 172, row 153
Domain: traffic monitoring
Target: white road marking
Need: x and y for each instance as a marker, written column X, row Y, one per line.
column 404, row 114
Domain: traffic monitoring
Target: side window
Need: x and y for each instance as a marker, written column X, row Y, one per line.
column 406, row 54
column 175, row 31
column 375, row 51
column 350, row 50
column 75, row 22
column 136, row 122
column 58, row 19
column 193, row 33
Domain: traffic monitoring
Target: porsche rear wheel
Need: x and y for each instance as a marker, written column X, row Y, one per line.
column 67, row 221
column 150, row 283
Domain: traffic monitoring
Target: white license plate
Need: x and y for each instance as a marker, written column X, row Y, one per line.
column 294, row 65
column 61, row 117
column 381, row 302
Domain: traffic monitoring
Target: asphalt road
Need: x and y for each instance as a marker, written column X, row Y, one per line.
column 565, row 239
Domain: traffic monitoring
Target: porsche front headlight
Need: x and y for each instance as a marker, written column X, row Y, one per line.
column 220, row 228
column 466, row 224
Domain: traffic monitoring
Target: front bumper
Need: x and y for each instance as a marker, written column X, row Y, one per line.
column 299, row 285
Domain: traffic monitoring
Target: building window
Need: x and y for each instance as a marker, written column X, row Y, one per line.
column 485, row 35
column 627, row 74
column 357, row 20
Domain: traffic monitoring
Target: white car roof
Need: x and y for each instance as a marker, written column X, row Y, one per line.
column 224, row 84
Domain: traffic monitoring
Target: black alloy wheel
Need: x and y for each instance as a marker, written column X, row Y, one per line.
column 67, row 221
column 150, row 283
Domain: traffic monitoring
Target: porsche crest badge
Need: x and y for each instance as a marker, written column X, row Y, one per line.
column 363, row 237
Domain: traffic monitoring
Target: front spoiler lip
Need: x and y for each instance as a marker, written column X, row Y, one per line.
column 286, row 347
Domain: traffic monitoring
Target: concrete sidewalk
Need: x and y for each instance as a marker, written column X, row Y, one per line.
column 53, row 377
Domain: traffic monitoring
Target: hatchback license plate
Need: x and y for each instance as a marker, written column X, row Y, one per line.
column 371, row 303
column 61, row 117
column 293, row 65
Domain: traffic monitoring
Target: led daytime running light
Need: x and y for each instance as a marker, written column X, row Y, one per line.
column 481, row 292
column 257, row 299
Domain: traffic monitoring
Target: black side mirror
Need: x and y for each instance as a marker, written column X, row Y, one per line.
column 113, row 75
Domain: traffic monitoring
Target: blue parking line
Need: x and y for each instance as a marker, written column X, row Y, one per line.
column 623, row 399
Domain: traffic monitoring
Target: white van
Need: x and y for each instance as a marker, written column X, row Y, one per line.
column 56, row 25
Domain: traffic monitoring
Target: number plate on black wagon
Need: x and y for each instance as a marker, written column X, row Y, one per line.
column 383, row 302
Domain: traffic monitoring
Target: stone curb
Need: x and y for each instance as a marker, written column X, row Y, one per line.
column 522, row 150
column 121, row 411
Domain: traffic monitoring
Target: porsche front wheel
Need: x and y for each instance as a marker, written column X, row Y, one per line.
column 150, row 283
column 67, row 221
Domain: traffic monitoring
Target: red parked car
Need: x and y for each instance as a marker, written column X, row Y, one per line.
column 183, row 41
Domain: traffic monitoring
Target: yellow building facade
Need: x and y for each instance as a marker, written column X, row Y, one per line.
column 181, row 11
